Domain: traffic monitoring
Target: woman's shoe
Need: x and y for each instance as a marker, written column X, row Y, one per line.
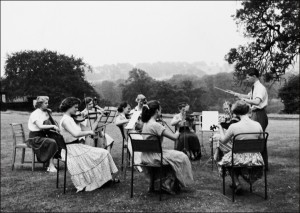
column 238, row 190
column 115, row 180
column 52, row 169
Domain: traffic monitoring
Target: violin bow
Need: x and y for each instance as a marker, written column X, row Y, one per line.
column 94, row 105
column 87, row 111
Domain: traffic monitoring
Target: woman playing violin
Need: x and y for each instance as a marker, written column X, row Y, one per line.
column 188, row 140
column 44, row 147
column 225, row 121
column 90, row 167
column 91, row 112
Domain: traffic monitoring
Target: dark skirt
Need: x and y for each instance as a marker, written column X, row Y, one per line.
column 188, row 141
column 45, row 148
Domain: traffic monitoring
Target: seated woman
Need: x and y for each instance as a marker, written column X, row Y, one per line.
column 44, row 147
column 181, row 172
column 103, row 140
column 225, row 121
column 188, row 140
column 123, row 111
column 245, row 125
column 90, row 167
column 121, row 121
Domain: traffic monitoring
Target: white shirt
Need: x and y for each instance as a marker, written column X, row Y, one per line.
column 260, row 92
column 68, row 121
column 37, row 115
column 120, row 119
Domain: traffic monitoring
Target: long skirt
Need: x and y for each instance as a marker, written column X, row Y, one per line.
column 45, row 148
column 181, row 167
column 90, row 167
column 244, row 159
column 189, row 141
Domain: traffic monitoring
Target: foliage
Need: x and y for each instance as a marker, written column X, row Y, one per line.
column 274, row 28
column 138, row 82
column 109, row 91
column 289, row 94
column 34, row 73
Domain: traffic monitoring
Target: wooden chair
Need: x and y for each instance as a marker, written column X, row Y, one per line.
column 124, row 146
column 144, row 145
column 246, row 146
column 63, row 146
column 19, row 142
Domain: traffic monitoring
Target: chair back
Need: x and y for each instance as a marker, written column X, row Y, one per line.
column 18, row 133
column 250, row 145
column 145, row 142
column 122, row 131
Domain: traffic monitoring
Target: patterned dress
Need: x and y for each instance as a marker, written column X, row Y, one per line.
column 244, row 126
column 90, row 167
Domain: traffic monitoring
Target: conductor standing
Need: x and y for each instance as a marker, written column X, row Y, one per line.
column 258, row 100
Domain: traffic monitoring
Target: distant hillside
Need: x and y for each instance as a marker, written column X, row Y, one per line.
column 158, row 70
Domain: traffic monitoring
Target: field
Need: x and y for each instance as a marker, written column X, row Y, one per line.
column 23, row 190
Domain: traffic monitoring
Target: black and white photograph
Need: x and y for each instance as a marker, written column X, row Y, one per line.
column 150, row 106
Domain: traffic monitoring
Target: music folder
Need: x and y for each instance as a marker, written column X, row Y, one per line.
column 133, row 120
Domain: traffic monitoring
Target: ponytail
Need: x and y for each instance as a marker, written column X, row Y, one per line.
column 149, row 110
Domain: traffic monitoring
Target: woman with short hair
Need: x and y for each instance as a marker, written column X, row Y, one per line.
column 44, row 147
column 245, row 125
column 90, row 167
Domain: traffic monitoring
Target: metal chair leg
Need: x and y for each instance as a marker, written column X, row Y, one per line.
column 233, row 183
column 57, row 175
column 122, row 155
column 65, row 175
column 223, row 176
column 266, row 189
column 160, row 184
column 131, row 195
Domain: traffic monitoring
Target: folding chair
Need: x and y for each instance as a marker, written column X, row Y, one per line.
column 19, row 142
column 246, row 146
column 146, row 145
column 63, row 146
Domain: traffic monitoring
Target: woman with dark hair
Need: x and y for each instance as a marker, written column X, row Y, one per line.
column 123, row 110
column 44, row 147
column 92, row 108
column 188, row 141
column 245, row 125
column 90, row 167
column 181, row 173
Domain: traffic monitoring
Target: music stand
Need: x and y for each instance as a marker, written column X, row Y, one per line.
column 107, row 118
column 207, row 120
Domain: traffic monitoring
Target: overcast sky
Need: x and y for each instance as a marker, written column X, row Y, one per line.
column 122, row 32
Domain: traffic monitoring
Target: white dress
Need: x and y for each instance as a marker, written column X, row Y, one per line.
column 90, row 167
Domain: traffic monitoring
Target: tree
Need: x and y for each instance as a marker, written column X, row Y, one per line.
column 138, row 82
column 274, row 28
column 34, row 73
column 289, row 94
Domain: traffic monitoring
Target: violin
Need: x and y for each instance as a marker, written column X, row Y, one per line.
column 229, row 119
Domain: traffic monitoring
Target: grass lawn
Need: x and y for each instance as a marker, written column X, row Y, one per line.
column 24, row 190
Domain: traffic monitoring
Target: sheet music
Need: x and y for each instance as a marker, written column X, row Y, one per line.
column 133, row 120
column 209, row 118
